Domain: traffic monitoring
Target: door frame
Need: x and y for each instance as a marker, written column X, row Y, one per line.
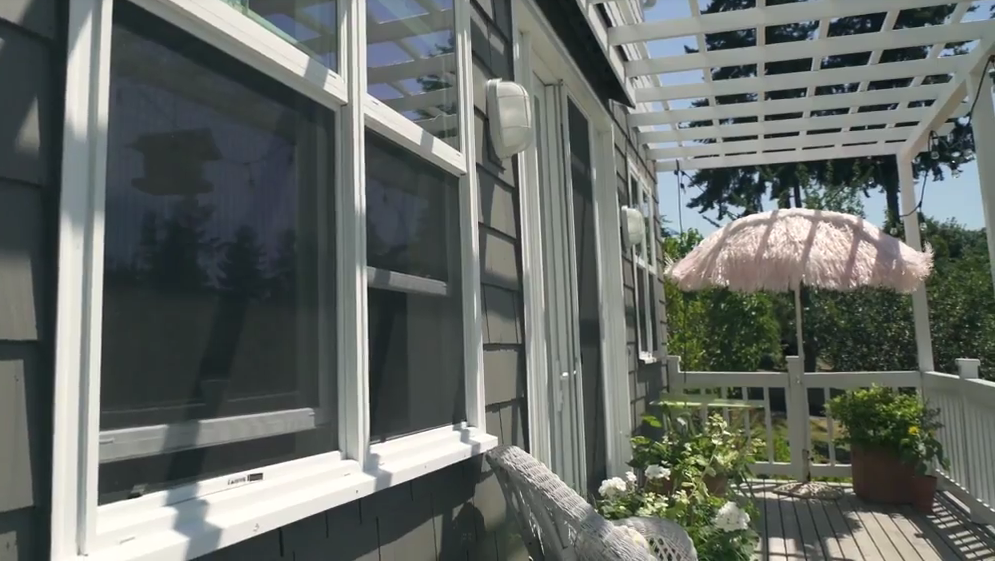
column 560, row 278
column 532, row 33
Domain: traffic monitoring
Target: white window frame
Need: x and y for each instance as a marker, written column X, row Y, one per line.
column 217, row 512
column 644, row 265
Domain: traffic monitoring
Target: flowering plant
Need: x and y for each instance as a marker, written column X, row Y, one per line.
column 675, row 472
column 719, row 527
column 694, row 448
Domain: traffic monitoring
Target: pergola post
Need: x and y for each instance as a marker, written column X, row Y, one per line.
column 920, row 305
column 983, row 126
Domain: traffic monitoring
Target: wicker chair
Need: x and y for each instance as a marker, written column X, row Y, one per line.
column 558, row 525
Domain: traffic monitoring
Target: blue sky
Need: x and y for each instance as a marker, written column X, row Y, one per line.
column 954, row 197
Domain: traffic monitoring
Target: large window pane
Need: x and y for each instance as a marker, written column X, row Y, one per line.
column 218, row 267
column 411, row 61
column 309, row 25
column 415, row 307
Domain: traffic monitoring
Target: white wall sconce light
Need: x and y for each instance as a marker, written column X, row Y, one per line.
column 509, row 108
column 633, row 227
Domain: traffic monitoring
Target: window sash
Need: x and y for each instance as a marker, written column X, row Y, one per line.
column 78, row 524
column 644, row 259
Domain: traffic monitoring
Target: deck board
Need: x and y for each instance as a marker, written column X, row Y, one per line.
column 793, row 544
column 850, row 530
column 812, row 542
column 824, row 529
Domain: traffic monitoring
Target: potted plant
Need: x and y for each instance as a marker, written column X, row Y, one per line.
column 892, row 438
column 690, row 448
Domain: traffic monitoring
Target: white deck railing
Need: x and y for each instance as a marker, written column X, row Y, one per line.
column 966, row 403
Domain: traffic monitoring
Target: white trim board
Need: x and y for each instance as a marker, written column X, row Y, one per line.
column 137, row 442
column 530, row 219
column 263, row 501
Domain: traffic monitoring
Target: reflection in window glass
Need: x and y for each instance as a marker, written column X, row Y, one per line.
column 218, row 186
column 646, row 207
column 415, row 307
column 411, row 61
column 635, row 202
column 642, row 306
column 309, row 25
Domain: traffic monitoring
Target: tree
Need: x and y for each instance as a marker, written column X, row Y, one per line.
column 171, row 250
column 241, row 266
column 283, row 267
column 873, row 329
column 862, row 330
column 718, row 329
column 727, row 189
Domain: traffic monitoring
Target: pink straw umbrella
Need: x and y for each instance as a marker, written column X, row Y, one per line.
column 783, row 249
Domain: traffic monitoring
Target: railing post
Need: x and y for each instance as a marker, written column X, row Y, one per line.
column 797, row 406
column 967, row 369
column 675, row 376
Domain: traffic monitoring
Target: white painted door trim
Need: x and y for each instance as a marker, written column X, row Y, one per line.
column 537, row 383
column 535, row 35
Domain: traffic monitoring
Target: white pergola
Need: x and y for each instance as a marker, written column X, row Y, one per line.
column 903, row 130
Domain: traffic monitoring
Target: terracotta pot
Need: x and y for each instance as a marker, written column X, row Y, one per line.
column 923, row 492
column 880, row 476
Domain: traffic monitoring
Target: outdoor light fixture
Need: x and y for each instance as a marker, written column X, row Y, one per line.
column 510, row 110
column 633, row 226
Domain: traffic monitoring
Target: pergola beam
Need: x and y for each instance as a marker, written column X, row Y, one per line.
column 935, row 51
column 955, row 92
column 784, row 143
column 414, row 26
column 796, row 80
column 706, row 74
column 870, row 118
column 437, row 65
column 785, row 106
column 821, row 48
column 770, row 158
column 759, row 17
column 423, row 101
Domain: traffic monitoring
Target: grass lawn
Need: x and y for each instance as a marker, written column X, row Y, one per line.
column 819, row 427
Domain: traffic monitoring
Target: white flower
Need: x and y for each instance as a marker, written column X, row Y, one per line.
column 681, row 497
column 657, row 472
column 635, row 537
column 612, row 487
column 731, row 518
column 630, row 476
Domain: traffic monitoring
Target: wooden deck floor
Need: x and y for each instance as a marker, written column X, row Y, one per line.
column 848, row 529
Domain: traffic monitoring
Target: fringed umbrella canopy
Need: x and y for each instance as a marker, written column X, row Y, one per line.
column 782, row 249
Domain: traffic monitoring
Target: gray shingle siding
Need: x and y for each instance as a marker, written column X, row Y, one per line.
column 645, row 381
column 32, row 67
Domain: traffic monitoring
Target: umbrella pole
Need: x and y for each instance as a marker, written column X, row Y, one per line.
column 800, row 342
column 799, row 338
column 806, row 488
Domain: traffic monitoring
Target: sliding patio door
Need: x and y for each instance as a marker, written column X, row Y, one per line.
column 565, row 187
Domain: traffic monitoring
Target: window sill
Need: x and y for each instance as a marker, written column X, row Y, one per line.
column 196, row 527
